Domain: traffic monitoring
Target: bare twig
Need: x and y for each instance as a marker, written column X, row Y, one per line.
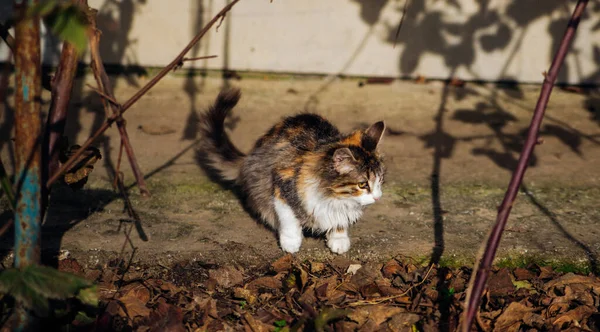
column 406, row 4
column 479, row 278
column 118, row 168
column 104, row 95
column 67, row 165
column 106, row 89
column 179, row 65
column 4, row 34
column 199, row 58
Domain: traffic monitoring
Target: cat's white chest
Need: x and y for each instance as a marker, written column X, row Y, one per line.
column 330, row 213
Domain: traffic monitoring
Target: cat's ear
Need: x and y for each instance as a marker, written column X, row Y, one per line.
column 343, row 160
column 373, row 135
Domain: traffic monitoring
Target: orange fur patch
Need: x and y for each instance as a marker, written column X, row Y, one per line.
column 354, row 139
column 286, row 173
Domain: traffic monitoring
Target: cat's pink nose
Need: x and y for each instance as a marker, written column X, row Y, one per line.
column 376, row 198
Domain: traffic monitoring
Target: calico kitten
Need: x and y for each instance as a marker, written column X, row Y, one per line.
column 303, row 173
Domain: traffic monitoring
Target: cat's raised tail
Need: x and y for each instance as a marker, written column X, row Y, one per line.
column 219, row 151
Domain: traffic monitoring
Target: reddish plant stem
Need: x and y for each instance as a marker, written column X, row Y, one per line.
column 483, row 269
column 141, row 92
column 105, row 86
column 62, row 86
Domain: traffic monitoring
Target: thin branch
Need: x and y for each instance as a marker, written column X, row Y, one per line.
column 179, row 65
column 404, row 10
column 199, row 58
column 479, row 278
column 141, row 92
column 106, row 88
column 4, row 34
column 104, row 95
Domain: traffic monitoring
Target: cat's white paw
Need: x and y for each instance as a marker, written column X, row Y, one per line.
column 290, row 244
column 339, row 244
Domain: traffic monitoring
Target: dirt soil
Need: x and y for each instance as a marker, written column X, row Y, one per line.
column 449, row 151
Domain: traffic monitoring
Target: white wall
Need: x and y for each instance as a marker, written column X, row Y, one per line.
column 470, row 39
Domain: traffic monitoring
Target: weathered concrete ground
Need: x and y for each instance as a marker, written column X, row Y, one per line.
column 468, row 136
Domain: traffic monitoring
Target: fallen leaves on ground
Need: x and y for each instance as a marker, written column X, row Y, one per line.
column 340, row 295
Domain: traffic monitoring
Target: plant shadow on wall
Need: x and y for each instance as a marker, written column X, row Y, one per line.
column 195, row 79
column 459, row 36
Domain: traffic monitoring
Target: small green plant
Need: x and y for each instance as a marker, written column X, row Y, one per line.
column 65, row 19
column 35, row 285
column 279, row 325
column 243, row 304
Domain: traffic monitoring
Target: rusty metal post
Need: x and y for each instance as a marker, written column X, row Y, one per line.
column 28, row 149
column 28, row 128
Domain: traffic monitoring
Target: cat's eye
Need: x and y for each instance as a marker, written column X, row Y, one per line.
column 363, row 185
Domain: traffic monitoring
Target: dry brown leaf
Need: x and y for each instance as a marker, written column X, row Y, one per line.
column 166, row 317
column 573, row 317
column 340, row 263
column 134, row 306
column 254, row 325
column 546, row 272
column 137, row 290
column 391, row 269
column 227, row 276
column 308, row 296
column 366, row 275
column 264, row 282
column 403, row 322
column 370, row 290
column 534, row 320
column 500, row 283
column 283, row 264
column 301, row 275
column 523, row 274
column 386, row 289
column 77, row 175
column 512, row 317
column 571, row 278
column 246, row 294
column 377, row 313
column 71, row 266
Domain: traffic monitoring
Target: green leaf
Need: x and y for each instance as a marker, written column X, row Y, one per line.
column 35, row 284
column 89, row 296
column 53, row 284
column 280, row 323
column 70, row 24
column 12, row 283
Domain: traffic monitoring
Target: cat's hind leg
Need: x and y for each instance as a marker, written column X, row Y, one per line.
column 338, row 240
column 290, row 231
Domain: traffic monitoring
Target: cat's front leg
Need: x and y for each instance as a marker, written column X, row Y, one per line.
column 290, row 231
column 338, row 240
